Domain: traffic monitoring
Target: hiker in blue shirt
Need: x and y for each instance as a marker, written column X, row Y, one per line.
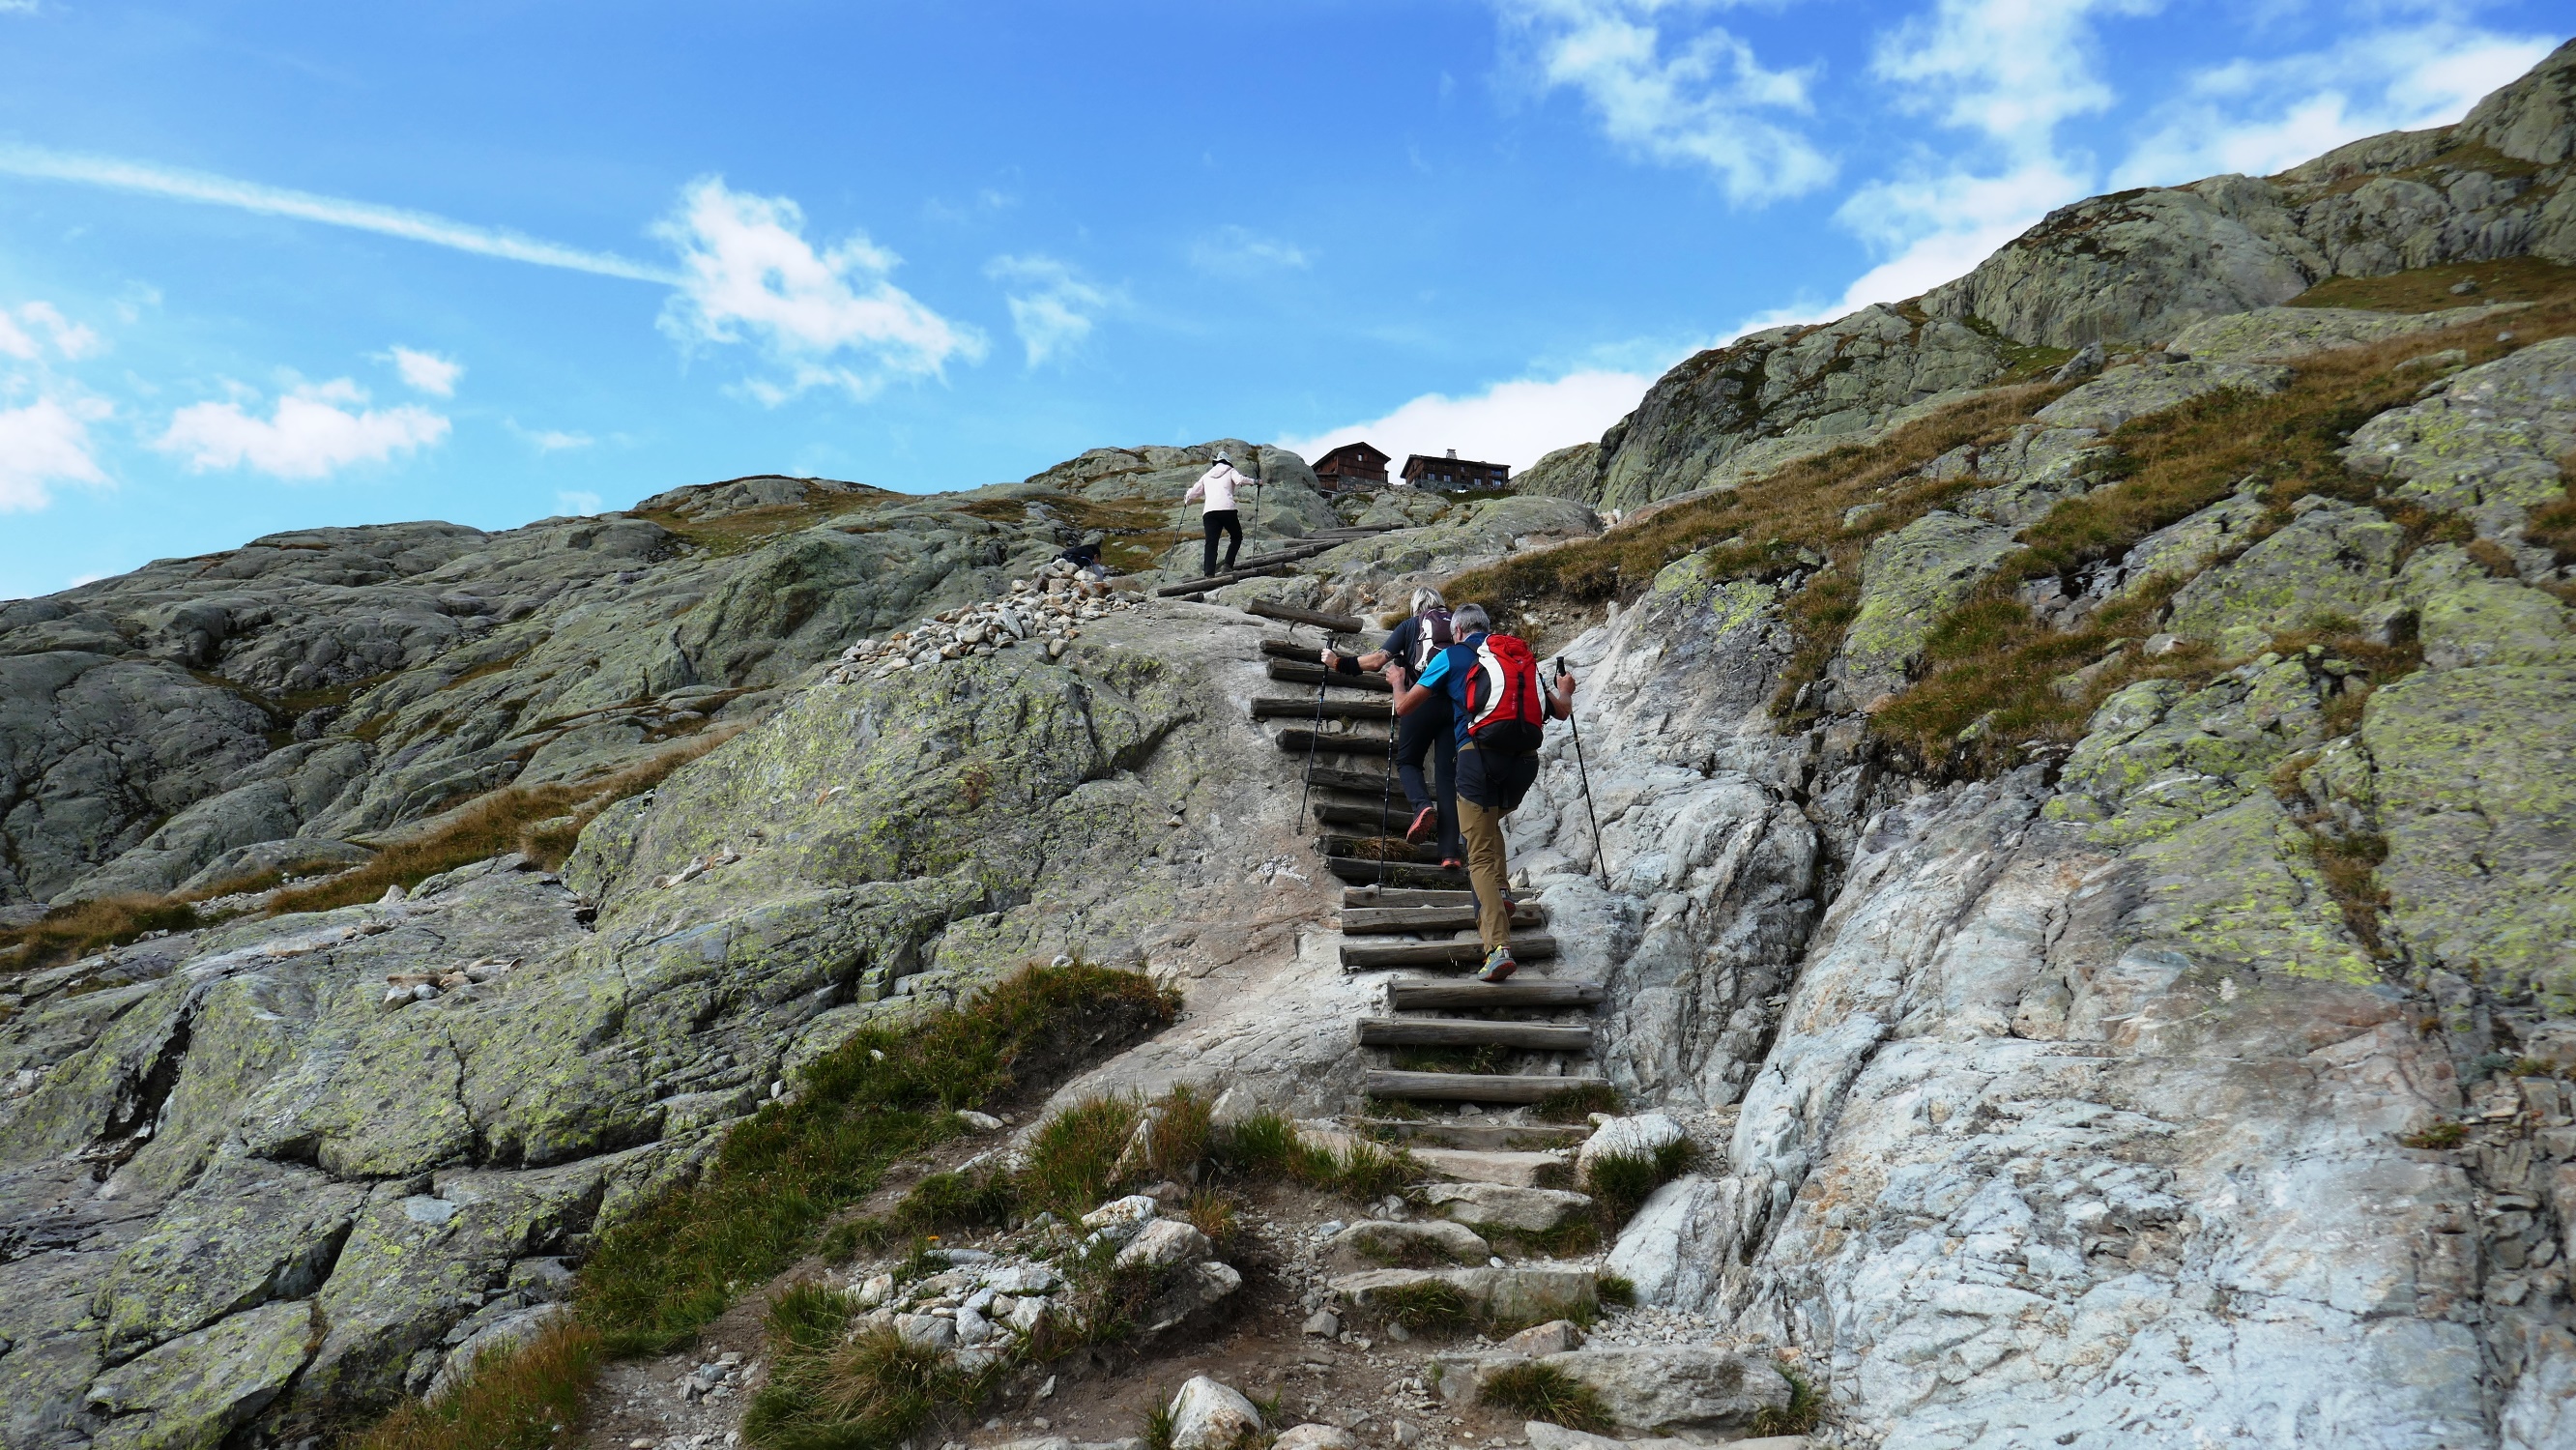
column 1425, row 735
column 1492, row 685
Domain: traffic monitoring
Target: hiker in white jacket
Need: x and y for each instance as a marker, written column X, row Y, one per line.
column 1218, row 515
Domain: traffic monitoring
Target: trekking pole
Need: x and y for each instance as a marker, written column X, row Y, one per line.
column 1386, row 794
column 1600, row 856
column 1315, row 735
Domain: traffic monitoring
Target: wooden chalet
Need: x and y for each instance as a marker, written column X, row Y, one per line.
column 1353, row 465
column 1454, row 473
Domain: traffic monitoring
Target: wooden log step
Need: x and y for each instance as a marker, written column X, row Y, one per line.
column 1337, row 813
column 1369, row 783
column 1354, row 869
column 1365, row 920
column 1414, row 995
column 1290, row 614
column 1348, row 532
column 1370, row 896
column 1478, row 1137
column 1307, row 707
column 1219, row 581
column 1365, row 744
column 1471, row 1032
column 1470, row 1087
column 1289, row 649
column 1311, row 673
column 1425, row 854
column 1377, row 956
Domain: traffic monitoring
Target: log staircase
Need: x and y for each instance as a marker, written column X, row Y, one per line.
column 1403, row 911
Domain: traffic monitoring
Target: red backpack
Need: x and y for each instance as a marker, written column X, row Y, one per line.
column 1505, row 711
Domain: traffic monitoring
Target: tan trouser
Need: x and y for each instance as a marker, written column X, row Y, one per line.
column 1483, row 828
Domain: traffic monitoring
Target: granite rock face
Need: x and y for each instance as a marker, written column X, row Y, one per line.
column 289, row 705
column 2140, row 266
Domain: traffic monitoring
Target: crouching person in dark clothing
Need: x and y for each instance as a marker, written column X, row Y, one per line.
column 1424, row 737
column 1498, row 711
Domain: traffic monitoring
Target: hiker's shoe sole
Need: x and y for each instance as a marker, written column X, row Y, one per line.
column 1498, row 971
column 1422, row 822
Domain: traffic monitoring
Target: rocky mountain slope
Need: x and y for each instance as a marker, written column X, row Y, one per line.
column 2085, row 836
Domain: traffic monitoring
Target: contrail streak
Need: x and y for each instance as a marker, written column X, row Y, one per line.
column 417, row 226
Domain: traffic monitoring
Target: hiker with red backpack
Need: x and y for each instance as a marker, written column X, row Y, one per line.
column 1499, row 712
column 1427, row 731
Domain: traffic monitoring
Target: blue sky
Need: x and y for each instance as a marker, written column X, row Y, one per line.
column 276, row 265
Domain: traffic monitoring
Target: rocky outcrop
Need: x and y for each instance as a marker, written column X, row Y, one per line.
column 289, row 705
column 2143, row 265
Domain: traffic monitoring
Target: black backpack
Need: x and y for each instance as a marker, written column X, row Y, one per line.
column 1431, row 635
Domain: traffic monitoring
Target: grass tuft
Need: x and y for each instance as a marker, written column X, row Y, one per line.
column 527, row 1398
column 1428, row 1306
column 1544, row 1392
column 1620, row 1182
column 1615, row 1289
column 1577, row 1104
column 2440, row 1135
column 1805, row 1409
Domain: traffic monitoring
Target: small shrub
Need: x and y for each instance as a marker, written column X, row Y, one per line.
column 527, row 1398
column 1805, row 1408
column 1158, row 1423
column 945, row 1201
column 1577, row 1104
column 1615, row 1289
column 2533, row 1067
column 2440, row 1135
column 1544, row 1392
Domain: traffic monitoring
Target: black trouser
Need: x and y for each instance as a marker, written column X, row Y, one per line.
column 1427, row 731
column 1216, row 521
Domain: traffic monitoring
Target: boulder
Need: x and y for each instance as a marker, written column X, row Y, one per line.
column 1165, row 1243
column 1554, row 1337
column 1677, row 1387
column 1315, row 1437
column 1522, row 1292
column 1500, row 1207
column 1121, row 1219
column 1403, row 1242
column 1208, row 1415
column 2277, row 334
column 195, row 1390
column 2135, row 390
column 1198, row 1287
column 2331, row 560
column 1642, row 1136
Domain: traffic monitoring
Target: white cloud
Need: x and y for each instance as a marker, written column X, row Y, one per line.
column 1052, row 306
column 554, row 440
column 427, row 372
column 1513, row 423
column 749, row 276
column 251, row 196
column 577, row 501
column 46, row 442
column 1240, row 251
column 2259, row 117
column 314, row 431
column 1696, row 99
column 2009, row 73
column 69, row 338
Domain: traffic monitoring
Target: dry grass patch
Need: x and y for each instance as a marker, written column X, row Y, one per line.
column 1780, row 524
column 1990, row 686
column 529, row 1398
column 2428, row 289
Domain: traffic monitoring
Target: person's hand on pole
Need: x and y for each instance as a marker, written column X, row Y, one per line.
column 1564, row 694
column 1332, row 661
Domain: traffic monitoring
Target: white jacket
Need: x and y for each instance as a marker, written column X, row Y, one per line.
column 1218, row 485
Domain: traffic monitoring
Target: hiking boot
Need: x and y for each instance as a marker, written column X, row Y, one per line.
column 1453, row 861
column 1499, row 965
column 1423, row 821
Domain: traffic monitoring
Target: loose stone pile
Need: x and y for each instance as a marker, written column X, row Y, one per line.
column 404, row 988
column 1047, row 611
column 984, row 1305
